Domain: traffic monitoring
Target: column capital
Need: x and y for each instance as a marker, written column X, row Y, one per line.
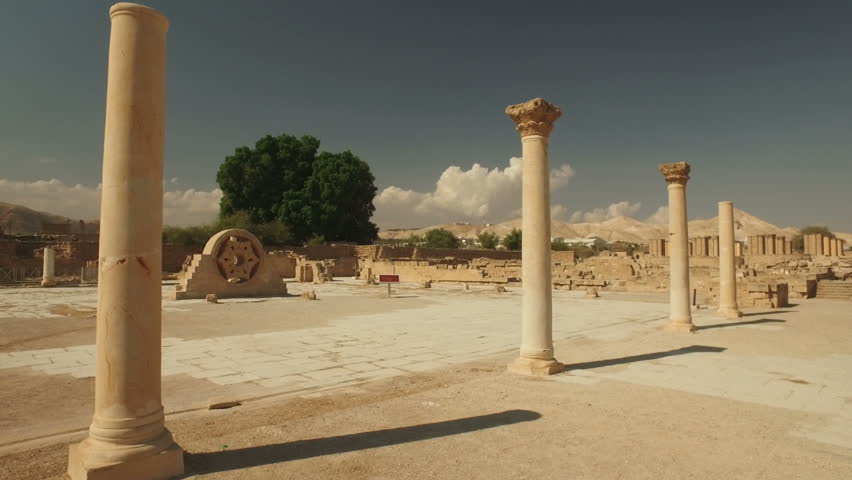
column 139, row 11
column 677, row 172
column 535, row 117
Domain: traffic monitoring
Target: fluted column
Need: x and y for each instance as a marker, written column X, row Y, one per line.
column 534, row 120
column 727, row 267
column 48, row 276
column 677, row 174
column 127, row 439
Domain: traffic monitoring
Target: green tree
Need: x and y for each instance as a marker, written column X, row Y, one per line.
column 283, row 179
column 316, row 240
column 559, row 245
column 488, row 239
column 513, row 240
column 440, row 238
column 798, row 240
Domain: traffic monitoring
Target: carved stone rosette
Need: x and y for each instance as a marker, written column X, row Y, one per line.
column 535, row 117
column 677, row 172
column 237, row 259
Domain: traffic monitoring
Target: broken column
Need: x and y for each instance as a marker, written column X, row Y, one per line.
column 127, row 438
column 677, row 174
column 727, row 267
column 534, row 120
column 48, row 277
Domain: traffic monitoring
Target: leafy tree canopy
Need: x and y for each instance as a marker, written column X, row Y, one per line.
column 488, row 240
column 440, row 238
column 513, row 240
column 559, row 245
column 284, row 179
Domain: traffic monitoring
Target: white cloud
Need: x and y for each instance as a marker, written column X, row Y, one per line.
column 597, row 215
column 181, row 207
column 661, row 216
column 477, row 195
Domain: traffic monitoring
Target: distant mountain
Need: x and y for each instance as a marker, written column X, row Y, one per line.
column 618, row 229
column 17, row 219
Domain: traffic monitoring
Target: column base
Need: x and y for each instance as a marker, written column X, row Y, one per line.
column 159, row 466
column 683, row 327
column 535, row 366
column 48, row 284
column 730, row 313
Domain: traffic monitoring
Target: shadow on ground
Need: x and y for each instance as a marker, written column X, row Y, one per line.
column 739, row 324
column 771, row 312
column 643, row 357
column 210, row 462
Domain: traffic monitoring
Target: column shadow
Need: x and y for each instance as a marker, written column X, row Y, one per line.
column 771, row 312
column 643, row 357
column 739, row 324
column 210, row 462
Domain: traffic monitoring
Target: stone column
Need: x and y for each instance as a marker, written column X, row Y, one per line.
column 770, row 244
column 48, row 278
column 826, row 246
column 727, row 267
column 127, row 439
column 738, row 249
column 677, row 174
column 534, row 120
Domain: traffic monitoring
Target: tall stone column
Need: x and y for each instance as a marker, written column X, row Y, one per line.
column 534, row 120
column 127, row 438
column 727, row 267
column 48, row 277
column 677, row 174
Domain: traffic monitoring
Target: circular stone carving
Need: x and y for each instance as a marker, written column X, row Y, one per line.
column 238, row 254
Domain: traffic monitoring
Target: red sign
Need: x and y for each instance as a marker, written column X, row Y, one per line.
column 388, row 278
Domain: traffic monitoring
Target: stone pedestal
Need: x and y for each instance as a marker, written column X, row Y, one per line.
column 127, row 438
column 677, row 174
column 48, row 277
column 534, row 120
column 727, row 267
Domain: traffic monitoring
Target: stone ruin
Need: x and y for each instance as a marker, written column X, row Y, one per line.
column 233, row 264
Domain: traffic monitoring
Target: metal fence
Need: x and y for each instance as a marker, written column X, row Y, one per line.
column 22, row 275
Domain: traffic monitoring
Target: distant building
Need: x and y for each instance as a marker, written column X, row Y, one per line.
column 586, row 242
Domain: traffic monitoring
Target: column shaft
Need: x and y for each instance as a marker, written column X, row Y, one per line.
column 727, row 267
column 534, row 120
column 127, row 438
column 677, row 174
column 48, row 276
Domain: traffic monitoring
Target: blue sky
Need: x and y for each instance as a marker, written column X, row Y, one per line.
column 755, row 95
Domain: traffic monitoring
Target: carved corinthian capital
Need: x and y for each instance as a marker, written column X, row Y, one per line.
column 534, row 117
column 675, row 172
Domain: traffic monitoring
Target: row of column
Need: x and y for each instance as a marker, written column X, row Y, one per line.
column 819, row 244
column 659, row 247
column 704, row 246
column 770, row 244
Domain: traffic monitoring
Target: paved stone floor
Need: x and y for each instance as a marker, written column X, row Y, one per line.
column 452, row 329
column 782, row 362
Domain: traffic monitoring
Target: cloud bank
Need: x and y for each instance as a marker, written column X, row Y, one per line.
column 180, row 207
column 476, row 195
column 597, row 215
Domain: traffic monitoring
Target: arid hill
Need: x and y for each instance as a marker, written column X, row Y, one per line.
column 617, row 229
column 17, row 219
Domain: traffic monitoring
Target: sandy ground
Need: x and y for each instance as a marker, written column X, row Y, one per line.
column 769, row 396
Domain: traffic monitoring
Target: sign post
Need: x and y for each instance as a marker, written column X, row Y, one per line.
column 388, row 279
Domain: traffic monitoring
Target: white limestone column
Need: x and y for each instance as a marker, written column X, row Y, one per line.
column 677, row 174
column 727, row 267
column 48, row 276
column 534, row 120
column 127, row 438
